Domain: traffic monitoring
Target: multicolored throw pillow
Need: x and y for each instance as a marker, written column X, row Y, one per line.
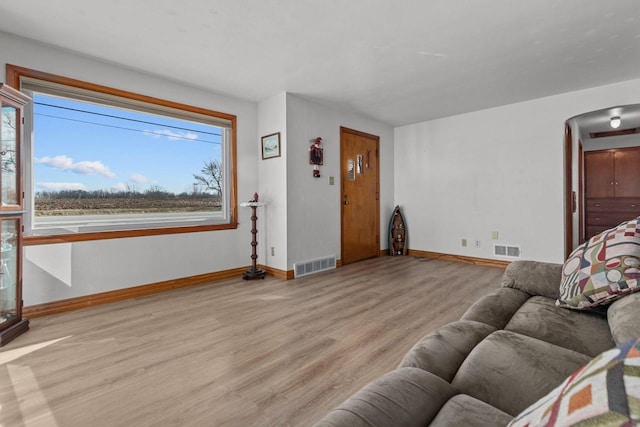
column 604, row 392
column 603, row 269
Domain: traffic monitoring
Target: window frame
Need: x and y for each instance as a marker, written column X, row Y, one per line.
column 14, row 75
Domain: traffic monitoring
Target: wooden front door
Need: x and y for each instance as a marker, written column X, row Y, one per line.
column 360, row 178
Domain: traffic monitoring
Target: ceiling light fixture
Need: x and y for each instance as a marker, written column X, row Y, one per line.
column 615, row 122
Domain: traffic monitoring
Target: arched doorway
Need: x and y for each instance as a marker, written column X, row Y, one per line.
column 587, row 134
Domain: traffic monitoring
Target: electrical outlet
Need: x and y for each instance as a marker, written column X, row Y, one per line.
column 464, row 243
column 494, row 235
column 273, row 251
column 477, row 243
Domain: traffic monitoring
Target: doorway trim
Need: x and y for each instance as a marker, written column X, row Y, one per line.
column 573, row 196
column 569, row 194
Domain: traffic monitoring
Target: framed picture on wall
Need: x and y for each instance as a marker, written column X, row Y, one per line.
column 271, row 146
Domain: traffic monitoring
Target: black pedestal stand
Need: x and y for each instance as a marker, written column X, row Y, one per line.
column 254, row 273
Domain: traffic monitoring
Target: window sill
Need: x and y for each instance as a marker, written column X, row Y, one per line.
column 119, row 234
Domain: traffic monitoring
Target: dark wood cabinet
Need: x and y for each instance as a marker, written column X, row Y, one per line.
column 599, row 174
column 627, row 173
column 612, row 173
column 612, row 188
column 11, row 211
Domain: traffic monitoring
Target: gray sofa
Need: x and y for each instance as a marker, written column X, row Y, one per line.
column 508, row 350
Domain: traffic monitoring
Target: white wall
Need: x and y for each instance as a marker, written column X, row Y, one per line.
column 272, row 185
column 53, row 272
column 499, row 169
column 314, row 205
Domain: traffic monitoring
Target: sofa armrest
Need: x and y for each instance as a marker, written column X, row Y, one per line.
column 534, row 278
column 403, row 397
column 497, row 307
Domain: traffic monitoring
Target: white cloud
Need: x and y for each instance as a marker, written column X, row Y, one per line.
column 138, row 179
column 84, row 168
column 57, row 162
column 171, row 134
column 93, row 168
column 58, row 186
column 121, row 186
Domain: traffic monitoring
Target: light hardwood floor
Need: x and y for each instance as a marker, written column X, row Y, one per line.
column 232, row 353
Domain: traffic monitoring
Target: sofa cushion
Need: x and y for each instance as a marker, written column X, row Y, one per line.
column 404, row 397
column 602, row 269
column 581, row 331
column 463, row 410
column 443, row 351
column 604, row 392
column 511, row 371
column 497, row 307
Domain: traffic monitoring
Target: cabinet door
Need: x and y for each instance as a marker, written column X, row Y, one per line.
column 10, row 292
column 11, row 322
column 627, row 173
column 9, row 155
column 599, row 175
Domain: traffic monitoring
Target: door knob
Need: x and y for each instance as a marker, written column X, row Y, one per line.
column 346, row 202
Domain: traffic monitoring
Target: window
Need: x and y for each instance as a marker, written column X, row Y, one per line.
column 104, row 163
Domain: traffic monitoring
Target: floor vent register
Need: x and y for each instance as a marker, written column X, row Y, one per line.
column 305, row 268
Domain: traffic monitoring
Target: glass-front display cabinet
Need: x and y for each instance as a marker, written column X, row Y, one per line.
column 12, row 323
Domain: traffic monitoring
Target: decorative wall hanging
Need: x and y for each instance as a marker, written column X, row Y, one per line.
column 271, row 146
column 315, row 156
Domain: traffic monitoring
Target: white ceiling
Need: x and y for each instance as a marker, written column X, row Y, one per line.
column 400, row 61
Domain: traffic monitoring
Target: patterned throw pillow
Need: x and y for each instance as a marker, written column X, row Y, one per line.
column 603, row 269
column 604, row 392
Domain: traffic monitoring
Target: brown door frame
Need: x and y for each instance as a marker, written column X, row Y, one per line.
column 569, row 202
column 344, row 130
column 581, row 225
column 573, row 201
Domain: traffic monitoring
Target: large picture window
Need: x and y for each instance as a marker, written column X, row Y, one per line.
column 103, row 163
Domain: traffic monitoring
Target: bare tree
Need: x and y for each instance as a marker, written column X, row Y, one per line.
column 211, row 176
column 156, row 192
column 131, row 190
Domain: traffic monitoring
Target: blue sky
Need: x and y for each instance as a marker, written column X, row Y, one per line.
column 87, row 150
